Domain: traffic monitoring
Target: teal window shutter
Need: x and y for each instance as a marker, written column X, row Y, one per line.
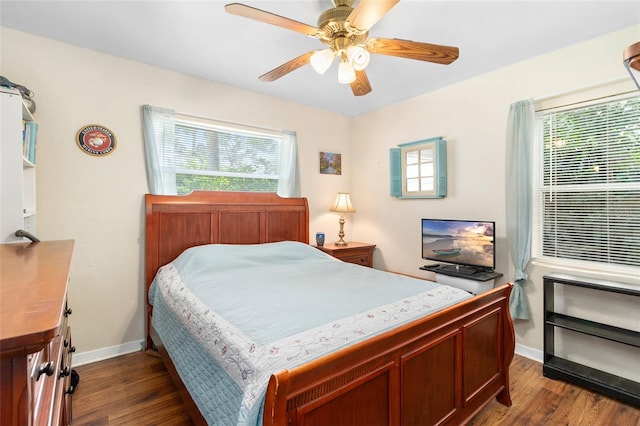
column 395, row 167
column 441, row 167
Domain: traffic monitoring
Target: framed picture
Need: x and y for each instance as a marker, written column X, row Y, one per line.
column 330, row 163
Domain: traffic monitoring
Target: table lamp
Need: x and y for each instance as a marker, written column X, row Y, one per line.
column 342, row 205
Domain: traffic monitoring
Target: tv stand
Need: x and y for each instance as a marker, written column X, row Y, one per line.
column 467, row 278
column 461, row 271
column 458, row 270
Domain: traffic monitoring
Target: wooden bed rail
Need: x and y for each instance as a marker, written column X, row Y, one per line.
column 441, row 369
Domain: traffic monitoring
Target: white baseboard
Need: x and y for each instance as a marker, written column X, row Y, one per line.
column 135, row 346
column 106, row 353
column 530, row 353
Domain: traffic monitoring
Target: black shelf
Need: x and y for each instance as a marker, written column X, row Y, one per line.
column 597, row 380
column 608, row 286
column 604, row 331
column 556, row 367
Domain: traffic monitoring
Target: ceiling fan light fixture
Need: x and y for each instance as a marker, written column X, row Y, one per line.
column 321, row 60
column 631, row 58
column 358, row 56
column 346, row 73
column 345, row 30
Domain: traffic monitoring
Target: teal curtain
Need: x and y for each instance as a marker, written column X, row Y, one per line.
column 288, row 175
column 519, row 158
column 158, row 132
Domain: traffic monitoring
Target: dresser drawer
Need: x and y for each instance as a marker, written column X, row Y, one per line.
column 67, row 353
column 48, row 382
column 353, row 252
column 50, row 378
column 357, row 257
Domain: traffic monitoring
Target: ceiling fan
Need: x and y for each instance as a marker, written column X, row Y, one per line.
column 345, row 31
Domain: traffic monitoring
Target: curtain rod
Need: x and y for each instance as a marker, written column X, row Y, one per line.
column 581, row 88
column 230, row 124
column 614, row 95
column 591, row 94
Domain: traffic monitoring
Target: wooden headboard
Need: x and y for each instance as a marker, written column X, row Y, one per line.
column 175, row 223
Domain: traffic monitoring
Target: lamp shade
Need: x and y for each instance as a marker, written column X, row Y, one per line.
column 631, row 58
column 358, row 56
column 346, row 73
column 321, row 60
column 343, row 204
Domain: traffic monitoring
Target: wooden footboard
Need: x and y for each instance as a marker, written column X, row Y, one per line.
column 441, row 369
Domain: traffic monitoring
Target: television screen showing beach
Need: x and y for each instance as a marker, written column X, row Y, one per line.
column 463, row 242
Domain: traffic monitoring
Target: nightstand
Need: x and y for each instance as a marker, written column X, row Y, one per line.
column 353, row 252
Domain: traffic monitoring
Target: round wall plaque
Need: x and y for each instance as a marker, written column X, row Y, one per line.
column 96, row 140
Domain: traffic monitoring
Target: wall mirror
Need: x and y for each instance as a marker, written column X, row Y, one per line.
column 419, row 169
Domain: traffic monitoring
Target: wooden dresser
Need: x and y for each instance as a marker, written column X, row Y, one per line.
column 35, row 340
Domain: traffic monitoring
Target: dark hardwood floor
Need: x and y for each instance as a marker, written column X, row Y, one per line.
column 135, row 389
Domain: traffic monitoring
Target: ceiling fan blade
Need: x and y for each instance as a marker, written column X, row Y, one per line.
column 271, row 18
column 361, row 84
column 287, row 67
column 368, row 12
column 413, row 50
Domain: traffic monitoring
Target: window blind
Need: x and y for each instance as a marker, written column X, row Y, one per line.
column 589, row 183
column 217, row 158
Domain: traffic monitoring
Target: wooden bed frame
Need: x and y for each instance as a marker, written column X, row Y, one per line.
column 440, row 369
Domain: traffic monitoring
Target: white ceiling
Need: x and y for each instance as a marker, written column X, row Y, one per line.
column 199, row 38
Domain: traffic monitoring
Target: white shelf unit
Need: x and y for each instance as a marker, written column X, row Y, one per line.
column 17, row 173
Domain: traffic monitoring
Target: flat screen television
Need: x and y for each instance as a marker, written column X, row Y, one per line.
column 469, row 243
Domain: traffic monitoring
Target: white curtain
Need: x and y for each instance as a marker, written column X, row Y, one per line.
column 520, row 135
column 289, row 176
column 158, row 130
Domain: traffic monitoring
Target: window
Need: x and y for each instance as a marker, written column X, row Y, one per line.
column 212, row 157
column 587, row 206
column 185, row 153
column 419, row 169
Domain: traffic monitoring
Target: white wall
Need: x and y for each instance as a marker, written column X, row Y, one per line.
column 472, row 117
column 98, row 202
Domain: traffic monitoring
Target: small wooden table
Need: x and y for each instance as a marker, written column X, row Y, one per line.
column 353, row 252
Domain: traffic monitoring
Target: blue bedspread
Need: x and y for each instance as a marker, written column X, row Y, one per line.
column 231, row 315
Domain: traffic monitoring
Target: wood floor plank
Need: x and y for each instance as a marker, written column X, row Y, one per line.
column 538, row 400
column 135, row 389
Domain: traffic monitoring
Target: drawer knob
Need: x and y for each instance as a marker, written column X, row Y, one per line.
column 45, row 369
column 72, row 349
column 65, row 372
column 68, row 312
